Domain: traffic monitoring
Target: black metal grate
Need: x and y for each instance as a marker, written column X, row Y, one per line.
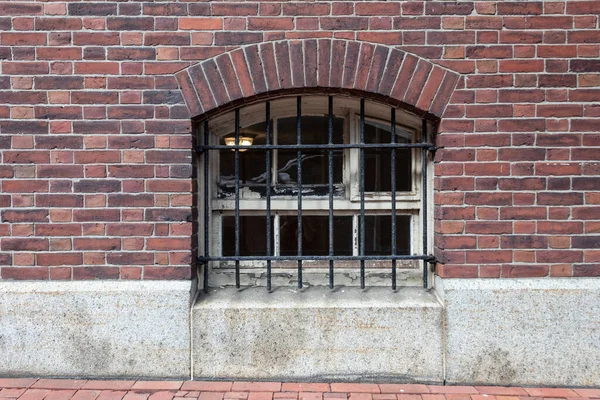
column 206, row 147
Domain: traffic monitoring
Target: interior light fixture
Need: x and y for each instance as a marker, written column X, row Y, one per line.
column 244, row 141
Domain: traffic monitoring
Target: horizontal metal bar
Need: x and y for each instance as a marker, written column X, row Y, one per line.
column 427, row 258
column 325, row 146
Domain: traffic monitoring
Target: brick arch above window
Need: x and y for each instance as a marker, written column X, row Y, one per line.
column 273, row 68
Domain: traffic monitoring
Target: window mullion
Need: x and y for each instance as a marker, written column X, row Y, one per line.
column 237, row 197
column 393, row 193
column 206, row 206
column 355, row 234
column 330, row 170
column 268, row 191
column 299, row 177
column 362, row 193
column 275, row 154
column 276, row 235
column 424, row 205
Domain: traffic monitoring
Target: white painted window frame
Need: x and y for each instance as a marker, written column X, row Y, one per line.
column 407, row 203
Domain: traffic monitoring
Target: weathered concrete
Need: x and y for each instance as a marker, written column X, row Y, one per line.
column 522, row 331
column 95, row 329
column 317, row 334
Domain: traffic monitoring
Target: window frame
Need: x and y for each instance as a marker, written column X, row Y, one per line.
column 407, row 203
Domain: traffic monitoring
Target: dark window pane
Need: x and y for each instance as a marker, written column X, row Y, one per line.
column 253, row 239
column 251, row 162
column 314, row 162
column 378, row 162
column 315, row 235
column 378, row 234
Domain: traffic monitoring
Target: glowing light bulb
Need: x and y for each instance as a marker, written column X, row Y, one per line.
column 243, row 140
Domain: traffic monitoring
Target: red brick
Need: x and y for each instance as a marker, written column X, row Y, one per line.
column 430, row 89
column 157, row 385
column 237, row 38
column 585, row 392
column 355, row 387
column 136, row 396
column 485, row 257
column 16, row 382
column 305, row 387
column 256, row 386
column 523, row 242
column 86, row 395
column 550, row 392
column 25, row 216
column 32, row 394
column 236, row 395
column 11, row 393
column 163, row 395
column 344, row 23
column 524, row 271
column 251, row 396
column 59, row 384
column 500, row 390
column 96, row 244
column 403, row 388
column 207, row 386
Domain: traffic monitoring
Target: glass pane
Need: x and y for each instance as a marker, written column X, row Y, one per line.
column 253, row 239
column 378, row 161
column 251, row 161
column 314, row 162
column 315, row 235
column 378, row 234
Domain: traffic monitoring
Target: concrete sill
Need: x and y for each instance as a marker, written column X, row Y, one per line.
column 317, row 297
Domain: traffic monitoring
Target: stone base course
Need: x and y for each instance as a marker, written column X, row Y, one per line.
column 522, row 331
column 94, row 329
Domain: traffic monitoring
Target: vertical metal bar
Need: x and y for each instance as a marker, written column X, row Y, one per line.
column 299, row 180
column 393, row 191
column 268, row 190
column 330, row 141
column 237, row 197
column 276, row 236
column 362, row 193
column 206, row 198
column 424, row 207
column 275, row 154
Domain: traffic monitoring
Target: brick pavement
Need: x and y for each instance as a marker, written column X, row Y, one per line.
column 65, row 389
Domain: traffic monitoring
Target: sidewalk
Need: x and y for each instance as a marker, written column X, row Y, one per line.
column 64, row 389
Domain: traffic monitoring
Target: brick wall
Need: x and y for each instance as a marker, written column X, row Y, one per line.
column 95, row 136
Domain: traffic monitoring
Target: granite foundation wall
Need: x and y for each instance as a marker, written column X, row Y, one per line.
column 522, row 331
column 95, row 329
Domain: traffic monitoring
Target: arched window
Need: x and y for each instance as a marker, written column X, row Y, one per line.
column 314, row 190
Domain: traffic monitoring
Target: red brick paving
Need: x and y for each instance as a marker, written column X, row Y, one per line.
column 550, row 392
column 108, row 385
column 588, row 392
column 16, row 382
column 403, row 388
column 65, row 389
column 58, row 384
column 60, row 395
column 236, row 396
column 256, row 387
column 501, row 391
column 9, row 393
column 204, row 386
column 111, row 395
column 304, row 387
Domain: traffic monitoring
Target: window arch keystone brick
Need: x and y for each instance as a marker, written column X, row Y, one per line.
column 312, row 65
